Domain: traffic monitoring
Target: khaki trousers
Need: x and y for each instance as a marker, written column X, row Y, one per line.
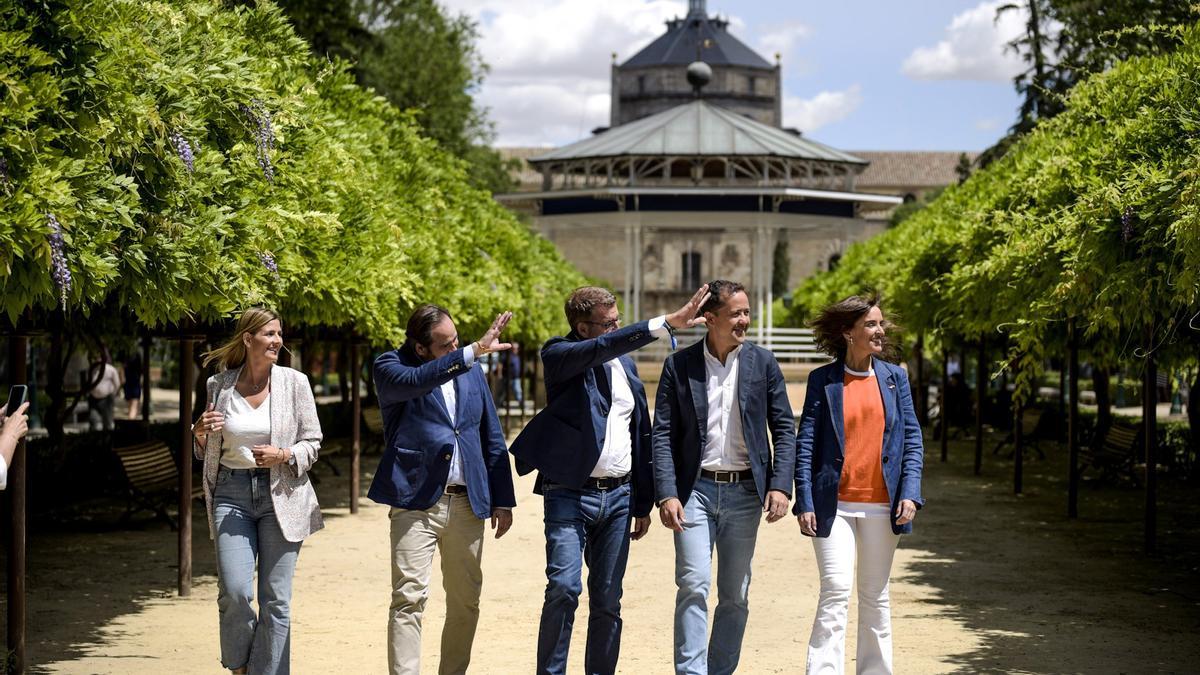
column 451, row 527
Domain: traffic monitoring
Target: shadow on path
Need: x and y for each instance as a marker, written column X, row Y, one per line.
column 1045, row 594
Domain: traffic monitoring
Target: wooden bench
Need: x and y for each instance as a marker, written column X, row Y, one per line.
column 153, row 479
column 1113, row 452
column 372, row 419
column 1031, row 424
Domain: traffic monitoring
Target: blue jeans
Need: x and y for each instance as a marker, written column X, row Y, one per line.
column 725, row 514
column 247, row 530
column 591, row 525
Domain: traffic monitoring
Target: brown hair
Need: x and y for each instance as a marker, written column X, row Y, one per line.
column 584, row 299
column 420, row 325
column 232, row 354
column 719, row 292
column 835, row 320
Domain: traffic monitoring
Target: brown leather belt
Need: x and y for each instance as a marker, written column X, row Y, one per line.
column 456, row 489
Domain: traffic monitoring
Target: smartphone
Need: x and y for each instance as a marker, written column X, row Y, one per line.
column 16, row 396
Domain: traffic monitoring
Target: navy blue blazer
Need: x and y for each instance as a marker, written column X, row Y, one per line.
column 564, row 440
column 681, row 421
column 820, row 443
column 419, row 437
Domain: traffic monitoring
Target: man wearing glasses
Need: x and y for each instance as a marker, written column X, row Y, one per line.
column 591, row 447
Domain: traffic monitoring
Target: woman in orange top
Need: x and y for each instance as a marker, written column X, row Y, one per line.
column 859, row 455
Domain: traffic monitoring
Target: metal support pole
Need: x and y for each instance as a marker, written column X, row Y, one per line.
column 355, row 425
column 18, row 346
column 146, row 342
column 1018, row 449
column 945, row 417
column 980, row 399
column 1072, row 419
column 1150, row 440
column 187, row 377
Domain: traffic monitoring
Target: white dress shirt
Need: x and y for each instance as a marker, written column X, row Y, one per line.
column 616, row 457
column 3, row 473
column 724, row 444
column 455, row 476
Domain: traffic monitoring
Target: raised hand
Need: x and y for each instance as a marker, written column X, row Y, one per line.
column 685, row 317
column 490, row 342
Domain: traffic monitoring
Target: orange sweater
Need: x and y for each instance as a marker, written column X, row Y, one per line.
column 862, row 469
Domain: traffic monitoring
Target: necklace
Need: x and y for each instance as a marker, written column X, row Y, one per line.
column 255, row 388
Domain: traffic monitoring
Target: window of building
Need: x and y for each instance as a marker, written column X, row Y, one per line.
column 909, row 198
column 834, row 260
column 691, row 271
column 641, row 84
column 750, row 82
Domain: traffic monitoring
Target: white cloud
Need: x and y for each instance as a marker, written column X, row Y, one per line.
column 781, row 39
column 550, row 60
column 827, row 107
column 973, row 48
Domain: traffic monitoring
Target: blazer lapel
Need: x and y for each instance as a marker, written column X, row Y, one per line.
column 276, row 411
column 441, row 400
column 697, row 376
column 887, row 392
column 745, row 370
column 461, row 391
column 833, row 394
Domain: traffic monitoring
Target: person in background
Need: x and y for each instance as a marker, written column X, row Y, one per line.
column 103, row 395
column 133, row 384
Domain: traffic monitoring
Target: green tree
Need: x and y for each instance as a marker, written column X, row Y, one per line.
column 425, row 59
column 781, row 269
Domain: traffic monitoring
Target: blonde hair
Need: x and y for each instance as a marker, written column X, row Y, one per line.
column 232, row 354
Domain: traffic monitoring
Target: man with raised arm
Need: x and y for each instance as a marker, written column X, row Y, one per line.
column 444, row 471
column 591, row 447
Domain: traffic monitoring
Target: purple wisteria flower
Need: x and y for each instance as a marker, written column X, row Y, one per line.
column 264, row 135
column 1127, row 225
column 184, row 150
column 268, row 262
column 58, row 258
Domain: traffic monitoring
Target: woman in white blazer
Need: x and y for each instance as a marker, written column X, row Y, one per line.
column 258, row 436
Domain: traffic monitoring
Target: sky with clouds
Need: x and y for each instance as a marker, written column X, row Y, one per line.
column 864, row 75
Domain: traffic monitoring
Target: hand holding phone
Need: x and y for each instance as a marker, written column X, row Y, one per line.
column 16, row 396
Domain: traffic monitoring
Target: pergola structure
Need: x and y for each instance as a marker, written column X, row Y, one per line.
column 704, row 185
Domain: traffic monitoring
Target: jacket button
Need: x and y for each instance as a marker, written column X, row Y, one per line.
column 446, row 457
column 458, row 432
column 885, row 459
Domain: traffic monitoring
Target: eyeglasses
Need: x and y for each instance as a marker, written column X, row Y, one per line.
column 606, row 325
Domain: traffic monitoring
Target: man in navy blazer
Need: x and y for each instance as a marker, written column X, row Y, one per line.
column 591, row 447
column 444, row 471
column 714, row 474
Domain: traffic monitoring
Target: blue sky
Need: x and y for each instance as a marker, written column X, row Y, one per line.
column 862, row 75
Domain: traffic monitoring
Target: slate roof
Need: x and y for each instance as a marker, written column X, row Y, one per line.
column 909, row 168
column 678, row 45
column 698, row 128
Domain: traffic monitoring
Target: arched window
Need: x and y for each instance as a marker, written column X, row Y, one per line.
column 909, row 198
column 834, row 260
column 690, row 278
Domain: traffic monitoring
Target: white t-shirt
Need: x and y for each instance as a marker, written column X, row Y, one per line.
column 3, row 473
column 108, row 385
column 245, row 427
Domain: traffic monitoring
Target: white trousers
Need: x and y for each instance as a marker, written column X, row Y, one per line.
column 871, row 540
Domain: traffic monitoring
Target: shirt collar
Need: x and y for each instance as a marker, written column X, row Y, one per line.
column 711, row 358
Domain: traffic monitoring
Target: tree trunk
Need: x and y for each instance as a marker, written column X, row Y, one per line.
column 1100, row 377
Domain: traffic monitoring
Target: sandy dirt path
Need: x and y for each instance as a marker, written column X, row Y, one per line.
column 989, row 583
